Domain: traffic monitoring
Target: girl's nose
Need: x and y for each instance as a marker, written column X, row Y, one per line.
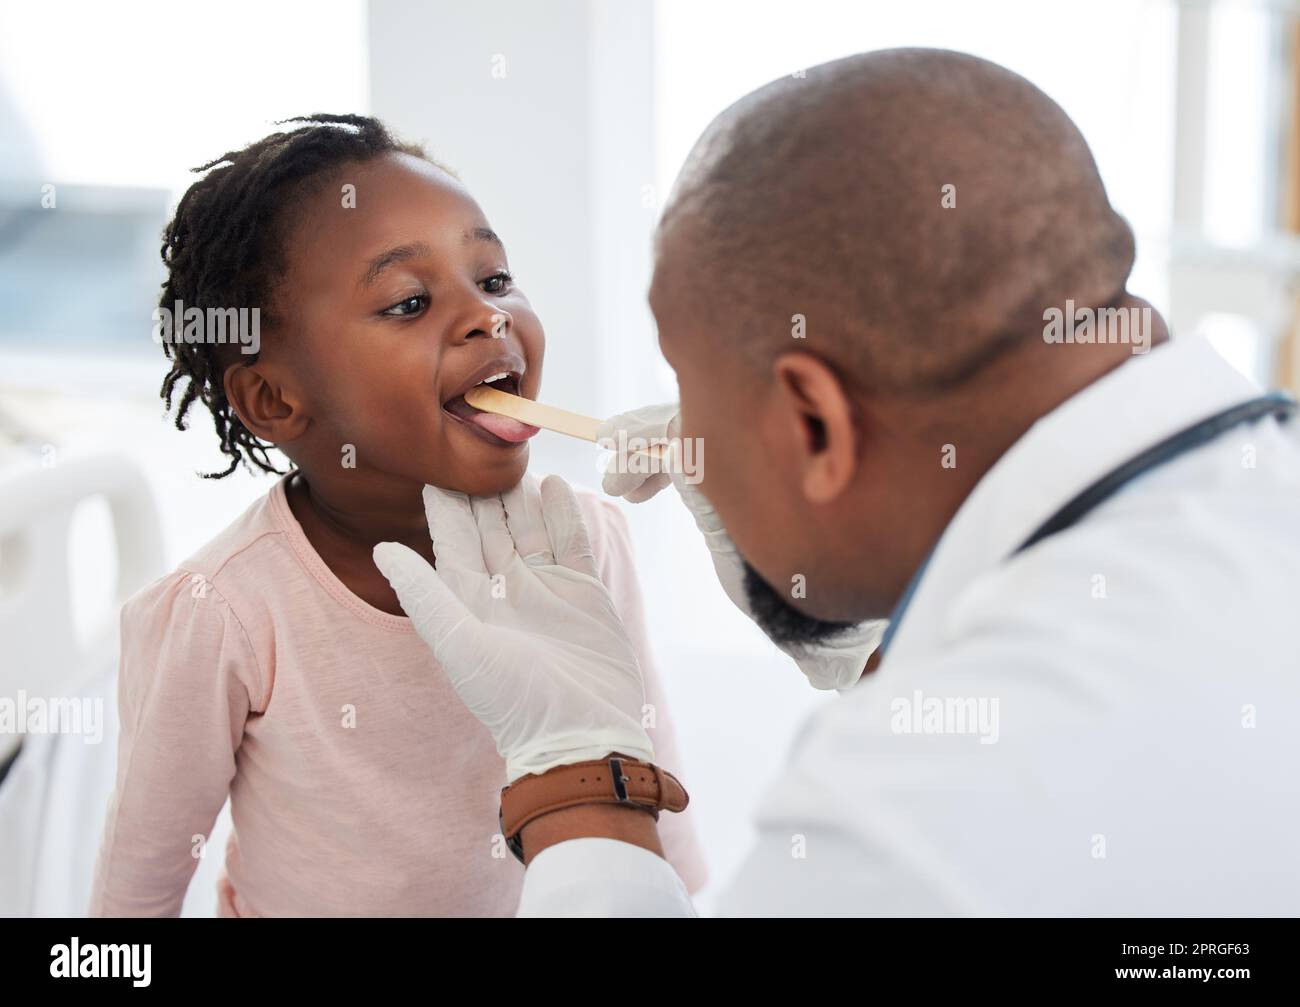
column 487, row 320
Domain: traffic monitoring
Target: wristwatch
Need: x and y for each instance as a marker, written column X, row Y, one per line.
column 613, row 780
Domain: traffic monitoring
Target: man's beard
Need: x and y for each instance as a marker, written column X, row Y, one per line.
column 782, row 622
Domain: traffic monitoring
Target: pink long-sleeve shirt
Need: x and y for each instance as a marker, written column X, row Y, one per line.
column 359, row 783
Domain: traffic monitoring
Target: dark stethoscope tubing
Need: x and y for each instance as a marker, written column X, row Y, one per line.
column 1277, row 404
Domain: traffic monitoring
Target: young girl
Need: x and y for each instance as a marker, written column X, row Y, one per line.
column 275, row 666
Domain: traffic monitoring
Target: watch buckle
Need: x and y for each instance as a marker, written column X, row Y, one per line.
column 620, row 780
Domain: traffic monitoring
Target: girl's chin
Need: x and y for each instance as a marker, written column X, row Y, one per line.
column 498, row 479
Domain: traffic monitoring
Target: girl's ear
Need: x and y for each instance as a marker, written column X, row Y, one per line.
column 264, row 405
column 821, row 414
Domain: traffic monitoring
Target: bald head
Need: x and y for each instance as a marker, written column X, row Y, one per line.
column 828, row 196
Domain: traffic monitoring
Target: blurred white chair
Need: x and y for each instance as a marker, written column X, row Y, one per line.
column 52, row 799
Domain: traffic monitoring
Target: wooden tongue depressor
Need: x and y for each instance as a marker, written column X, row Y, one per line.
column 536, row 414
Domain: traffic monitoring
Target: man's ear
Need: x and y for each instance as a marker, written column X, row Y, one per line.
column 263, row 404
column 821, row 415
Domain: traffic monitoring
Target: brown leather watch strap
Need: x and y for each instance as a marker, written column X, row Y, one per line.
column 613, row 780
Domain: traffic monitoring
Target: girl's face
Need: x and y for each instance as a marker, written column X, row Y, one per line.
column 397, row 299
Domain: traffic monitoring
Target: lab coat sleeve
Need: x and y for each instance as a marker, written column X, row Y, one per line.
column 602, row 877
column 187, row 682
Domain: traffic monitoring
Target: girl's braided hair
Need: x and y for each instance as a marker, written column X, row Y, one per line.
column 225, row 248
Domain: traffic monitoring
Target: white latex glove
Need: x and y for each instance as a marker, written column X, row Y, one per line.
column 835, row 665
column 522, row 625
column 650, row 424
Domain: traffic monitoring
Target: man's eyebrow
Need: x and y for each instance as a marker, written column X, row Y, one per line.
column 392, row 256
column 483, row 234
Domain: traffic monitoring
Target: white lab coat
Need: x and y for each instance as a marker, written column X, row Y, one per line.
column 1144, row 667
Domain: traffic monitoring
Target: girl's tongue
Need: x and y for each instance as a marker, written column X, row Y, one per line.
column 503, row 426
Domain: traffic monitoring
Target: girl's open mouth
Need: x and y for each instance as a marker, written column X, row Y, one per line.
column 498, row 430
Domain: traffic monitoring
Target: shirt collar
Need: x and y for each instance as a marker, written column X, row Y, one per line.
column 1133, row 407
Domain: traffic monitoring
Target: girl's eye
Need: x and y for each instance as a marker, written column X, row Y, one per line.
column 408, row 306
column 497, row 283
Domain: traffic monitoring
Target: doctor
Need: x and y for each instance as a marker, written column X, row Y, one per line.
column 894, row 294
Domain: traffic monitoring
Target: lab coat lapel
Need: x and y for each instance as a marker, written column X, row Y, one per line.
column 1132, row 408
